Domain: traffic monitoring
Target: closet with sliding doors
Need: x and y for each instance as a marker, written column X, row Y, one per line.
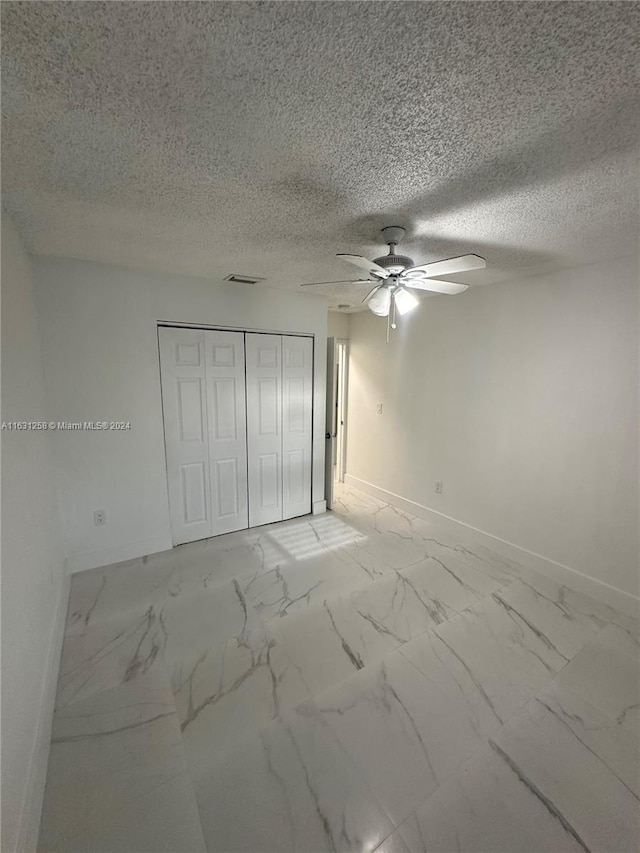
column 237, row 412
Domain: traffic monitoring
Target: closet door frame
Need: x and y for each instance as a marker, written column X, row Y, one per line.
column 283, row 333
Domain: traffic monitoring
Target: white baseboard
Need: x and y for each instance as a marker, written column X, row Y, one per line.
column 319, row 507
column 117, row 554
column 573, row 578
column 37, row 774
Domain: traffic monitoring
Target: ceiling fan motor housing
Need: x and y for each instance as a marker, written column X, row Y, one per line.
column 394, row 263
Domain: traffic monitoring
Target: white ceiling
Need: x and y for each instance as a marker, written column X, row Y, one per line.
column 262, row 138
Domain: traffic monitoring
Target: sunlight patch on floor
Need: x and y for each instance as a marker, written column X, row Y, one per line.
column 310, row 539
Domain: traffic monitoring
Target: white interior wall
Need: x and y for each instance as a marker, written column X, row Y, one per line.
column 522, row 398
column 34, row 587
column 101, row 364
column 337, row 325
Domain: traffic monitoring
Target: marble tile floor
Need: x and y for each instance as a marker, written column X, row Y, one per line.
column 356, row 681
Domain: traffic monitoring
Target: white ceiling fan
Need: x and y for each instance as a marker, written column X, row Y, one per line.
column 395, row 275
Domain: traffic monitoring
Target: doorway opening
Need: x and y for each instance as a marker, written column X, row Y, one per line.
column 342, row 363
column 337, row 389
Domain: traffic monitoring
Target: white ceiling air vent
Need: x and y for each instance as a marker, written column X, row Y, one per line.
column 243, row 279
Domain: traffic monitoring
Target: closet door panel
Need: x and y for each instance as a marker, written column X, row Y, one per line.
column 183, row 378
column 297, row 392
column 227, row 430
column 264, row 427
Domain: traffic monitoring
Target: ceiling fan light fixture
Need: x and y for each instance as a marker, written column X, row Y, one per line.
column 405, row 301
column 392, row 274
column 380, row 302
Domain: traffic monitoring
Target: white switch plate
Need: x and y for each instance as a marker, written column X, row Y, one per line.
column 379, row 409
column 99, row 517
column 437, row 487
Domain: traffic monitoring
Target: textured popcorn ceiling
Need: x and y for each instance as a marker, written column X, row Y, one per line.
column 261, row 138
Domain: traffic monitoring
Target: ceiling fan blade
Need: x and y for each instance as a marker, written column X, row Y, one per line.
column 434, row 285
column 370, row 266
column 347, row 281
column 451, row 265
column 371, row 292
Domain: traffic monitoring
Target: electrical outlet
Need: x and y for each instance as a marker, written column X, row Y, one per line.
column 379, row 409
column 437, row 487
column 99, row 517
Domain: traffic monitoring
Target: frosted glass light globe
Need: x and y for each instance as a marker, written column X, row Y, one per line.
column 380, row 302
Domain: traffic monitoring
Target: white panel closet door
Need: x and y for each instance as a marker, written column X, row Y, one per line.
column 264, row 427
column 227, row 430
column 297, row 391
column 183, row 376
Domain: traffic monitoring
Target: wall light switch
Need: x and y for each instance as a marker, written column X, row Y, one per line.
column 437, row 487
column 379, row 409
column 99, row 517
